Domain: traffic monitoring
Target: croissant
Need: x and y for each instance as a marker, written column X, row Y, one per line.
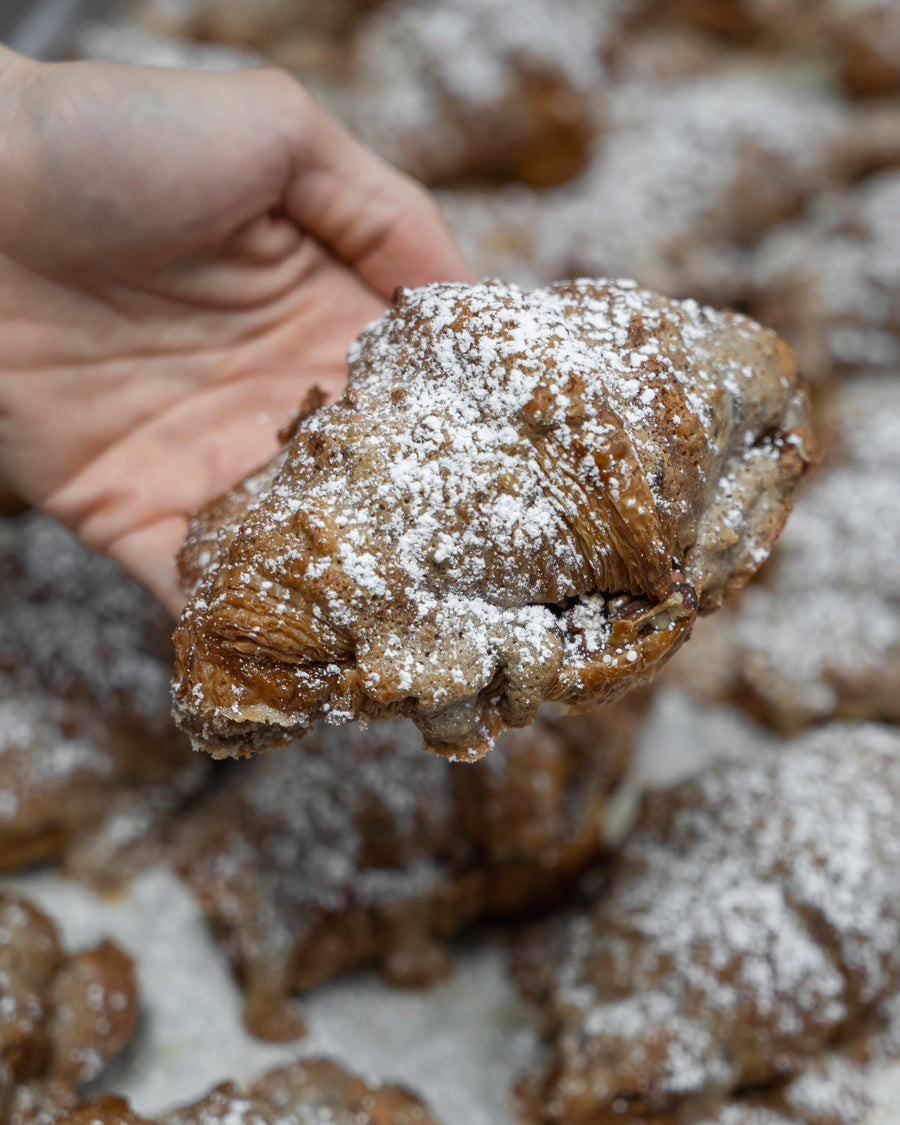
column 520, row 496
column 823, row 280
column 775, row 653
column 357, row 846
column 88, row 750
column 314, row 1091
column 456, row 92
column 64, row 1016
column 753, row 920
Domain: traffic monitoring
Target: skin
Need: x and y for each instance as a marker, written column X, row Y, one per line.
column 182, row 256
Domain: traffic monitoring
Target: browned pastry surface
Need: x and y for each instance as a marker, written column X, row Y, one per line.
column 75, row 625
column 753, row 920
column 690, row 173
column 89, row 758
column 72, row 790
column 355, row 845
column 758, row 23
column 834, row 1089
column 693, row 171
column 62, row 1016
column 521, row 496
column 461, row 90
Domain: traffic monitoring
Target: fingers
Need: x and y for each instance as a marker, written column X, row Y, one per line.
column 372, row 217
column 149, row 555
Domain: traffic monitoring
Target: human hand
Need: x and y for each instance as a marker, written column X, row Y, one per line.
column 182, row 256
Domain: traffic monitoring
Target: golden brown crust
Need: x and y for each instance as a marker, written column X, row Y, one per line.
column 521, row 496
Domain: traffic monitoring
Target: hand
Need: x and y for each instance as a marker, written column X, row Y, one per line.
column 182, row 256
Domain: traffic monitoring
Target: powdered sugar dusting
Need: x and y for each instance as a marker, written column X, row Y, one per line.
column 499, row 457
column 830, row 283
column 822, row 637
column 753, row 916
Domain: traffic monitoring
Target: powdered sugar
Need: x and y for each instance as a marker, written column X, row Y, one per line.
column 499, row 456
column 753, row 915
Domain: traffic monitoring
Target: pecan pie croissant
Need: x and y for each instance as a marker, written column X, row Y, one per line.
column 520, row 496
column 62, row 1016
column 753, row 920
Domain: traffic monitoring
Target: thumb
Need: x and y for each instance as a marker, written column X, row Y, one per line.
column 372, row 217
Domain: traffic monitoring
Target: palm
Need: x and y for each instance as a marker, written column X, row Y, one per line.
column 228, row 381
column 189, row 313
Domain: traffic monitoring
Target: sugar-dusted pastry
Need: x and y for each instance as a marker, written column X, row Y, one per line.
column 311, row 1091
column 75, row 625
column 520, row 496
column 62, row 1016
column 757, row 23
column 354, row 845
column 89, row 758
column 830, row 283
column 753, row 919
column 690, row 173
column 839, row 1087
column 864, row 38
column 821, row 637
column 305, row 35
column 463, row 90
column 75, row 791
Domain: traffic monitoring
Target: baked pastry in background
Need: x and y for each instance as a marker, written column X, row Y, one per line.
column 521, row 496
column 831, row 282
column 303, row 35
column 753, row 919
column 819, row 638
column 64, row 1016
column 307, row 1092
column 90, row 762
column 75, row 625
column 75, row 792
column 864, row 38
column 755, row 23
column 690, row 173
column 466, row 90
column 354, row 845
